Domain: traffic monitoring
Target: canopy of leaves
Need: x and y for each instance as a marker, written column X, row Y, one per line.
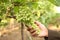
column 28, row 11
column 55, row 2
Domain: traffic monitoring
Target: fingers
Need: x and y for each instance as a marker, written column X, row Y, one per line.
column 37, row 23
column 41, row 26
column 30, row 28
column 34, row 34
column 44, row 30
column 32, row 31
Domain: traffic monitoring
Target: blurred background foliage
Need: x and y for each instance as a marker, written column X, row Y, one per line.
column 44, row 9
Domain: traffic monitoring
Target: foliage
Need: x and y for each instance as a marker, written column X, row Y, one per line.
column 27, row 11
column 55, row 2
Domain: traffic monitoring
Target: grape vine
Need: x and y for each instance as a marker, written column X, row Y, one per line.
column 26, row 11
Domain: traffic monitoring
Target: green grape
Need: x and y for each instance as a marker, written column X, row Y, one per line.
column 3, row 22
column 28, row 15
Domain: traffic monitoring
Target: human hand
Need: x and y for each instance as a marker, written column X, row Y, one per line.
column 43, row 33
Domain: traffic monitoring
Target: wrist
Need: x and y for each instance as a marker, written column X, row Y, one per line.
column 46, row 33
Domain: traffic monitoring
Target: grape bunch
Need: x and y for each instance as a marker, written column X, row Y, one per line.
column 28, row 15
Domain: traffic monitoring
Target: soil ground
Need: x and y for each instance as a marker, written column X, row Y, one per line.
column 16, row 35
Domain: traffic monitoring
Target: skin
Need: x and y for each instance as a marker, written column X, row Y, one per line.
column 43, row 33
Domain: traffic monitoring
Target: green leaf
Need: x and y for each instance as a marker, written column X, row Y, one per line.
column 55, row 2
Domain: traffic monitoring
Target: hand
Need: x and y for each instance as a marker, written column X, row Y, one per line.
column 43, row 33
